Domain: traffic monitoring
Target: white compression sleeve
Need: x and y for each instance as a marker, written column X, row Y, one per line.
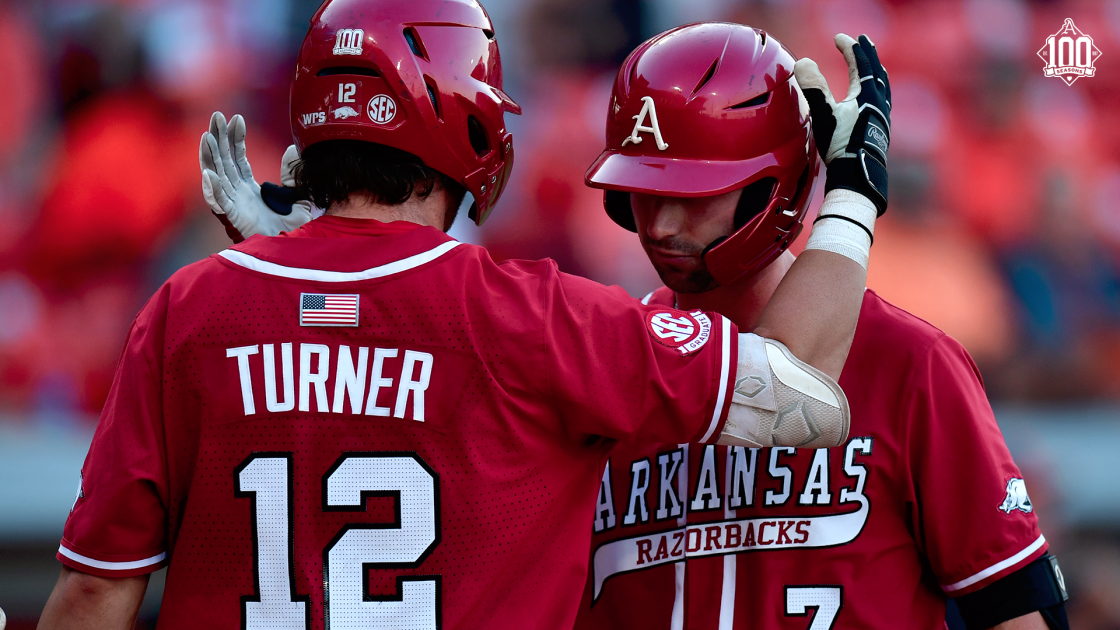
column 845, row 225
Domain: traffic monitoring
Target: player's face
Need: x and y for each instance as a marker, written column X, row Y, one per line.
column 675, row 230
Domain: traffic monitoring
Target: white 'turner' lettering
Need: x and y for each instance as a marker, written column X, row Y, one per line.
column 350, row 379
column 317, row 378
column 376, row 382
column 417, row 387
column 270, row 401
column 242, row 355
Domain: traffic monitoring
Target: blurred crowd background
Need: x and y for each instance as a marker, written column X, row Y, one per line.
column 1004, row 227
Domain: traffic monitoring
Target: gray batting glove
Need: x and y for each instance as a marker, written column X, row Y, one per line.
column 232, row 193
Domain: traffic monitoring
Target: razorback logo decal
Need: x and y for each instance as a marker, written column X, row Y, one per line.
column 686, row 332
column 1016, row 498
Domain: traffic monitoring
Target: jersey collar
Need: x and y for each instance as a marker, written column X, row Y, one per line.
column 336, row 249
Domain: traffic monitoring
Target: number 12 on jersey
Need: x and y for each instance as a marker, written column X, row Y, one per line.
column 266, row 479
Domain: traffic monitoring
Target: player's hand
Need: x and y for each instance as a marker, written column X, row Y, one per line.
column 853, row 135
column 243, row 206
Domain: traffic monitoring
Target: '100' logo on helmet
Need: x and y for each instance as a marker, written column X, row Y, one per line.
column 348, row 41
column 686, row 332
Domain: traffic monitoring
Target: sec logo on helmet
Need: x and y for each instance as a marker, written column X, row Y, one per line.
column 685, row 332
column 381, row 109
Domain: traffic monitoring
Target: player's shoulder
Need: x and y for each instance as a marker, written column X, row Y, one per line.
column 553, row 284
column 541, row 270
column 885, row 331
column 886, row 320
column 661, row 296
column 197, row 278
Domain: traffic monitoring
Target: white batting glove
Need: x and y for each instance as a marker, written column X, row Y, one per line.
column 234, row 195
column 853, row 135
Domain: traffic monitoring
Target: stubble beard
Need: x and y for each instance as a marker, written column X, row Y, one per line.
column 695, row 280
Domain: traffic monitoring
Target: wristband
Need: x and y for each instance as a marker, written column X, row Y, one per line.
column 845, row 225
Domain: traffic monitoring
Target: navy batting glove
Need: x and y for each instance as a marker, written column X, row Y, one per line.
column 853, row 135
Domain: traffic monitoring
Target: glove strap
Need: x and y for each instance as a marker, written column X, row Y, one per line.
column 863, row 174
column 864, row 166
column 279, row 199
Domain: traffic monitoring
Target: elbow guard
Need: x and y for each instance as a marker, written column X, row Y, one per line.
column 1039, row 586
column 780, row 400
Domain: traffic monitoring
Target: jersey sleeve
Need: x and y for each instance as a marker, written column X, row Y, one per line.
column 629, row 371
column 975, row 519
column 118, row 525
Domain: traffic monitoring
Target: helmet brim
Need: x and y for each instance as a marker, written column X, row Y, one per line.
column 674, row 177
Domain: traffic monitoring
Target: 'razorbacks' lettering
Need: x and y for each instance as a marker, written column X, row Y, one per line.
column 812, row 481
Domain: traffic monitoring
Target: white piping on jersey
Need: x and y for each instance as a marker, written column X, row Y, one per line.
column 317, row 275
column 676, row 620
column 646, row 299
column 725, row 368
column 111, row 566
column 997, row 567
column 727, row 594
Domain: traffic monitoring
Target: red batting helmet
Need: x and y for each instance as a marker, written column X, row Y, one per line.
column 705, row 109
column 422, row 76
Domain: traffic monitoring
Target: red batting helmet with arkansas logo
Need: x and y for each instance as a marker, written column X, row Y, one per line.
column 705, row 109
column 423, row 76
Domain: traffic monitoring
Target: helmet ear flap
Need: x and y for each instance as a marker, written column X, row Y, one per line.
column 617, row 204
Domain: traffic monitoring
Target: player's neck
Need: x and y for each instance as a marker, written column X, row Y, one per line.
column 743, row 301
column 430, row 211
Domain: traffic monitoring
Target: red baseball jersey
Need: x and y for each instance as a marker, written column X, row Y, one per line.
column 375, row 426
column 923, row 502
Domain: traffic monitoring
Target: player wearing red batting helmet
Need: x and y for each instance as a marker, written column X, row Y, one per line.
column 737, row 121
column 423, row 77
column 363, row 423
column 710, row 156
column 428, row 81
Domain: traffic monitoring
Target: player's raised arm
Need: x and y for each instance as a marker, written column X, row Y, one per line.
column 815, row 308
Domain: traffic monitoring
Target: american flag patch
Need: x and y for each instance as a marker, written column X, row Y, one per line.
column 320, row 309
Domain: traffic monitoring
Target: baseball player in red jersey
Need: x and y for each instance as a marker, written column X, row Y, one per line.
column 922, row 503
column 366, row 424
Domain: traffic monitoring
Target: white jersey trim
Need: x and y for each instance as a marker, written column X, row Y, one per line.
column 647, row 298
column 724, row 370
column 242, row 259
column 997, row 567
column 111, row 566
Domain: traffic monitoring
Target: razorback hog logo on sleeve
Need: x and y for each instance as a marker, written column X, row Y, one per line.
column 1016, row 498
column 686, row 332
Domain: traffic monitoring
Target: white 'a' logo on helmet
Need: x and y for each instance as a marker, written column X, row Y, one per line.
column 639, row 127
